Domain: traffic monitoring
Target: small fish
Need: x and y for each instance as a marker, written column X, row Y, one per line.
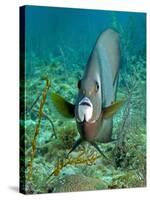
column 95, row 104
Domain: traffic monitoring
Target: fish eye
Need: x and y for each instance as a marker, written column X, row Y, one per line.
column 97, row 86
column 79, row 84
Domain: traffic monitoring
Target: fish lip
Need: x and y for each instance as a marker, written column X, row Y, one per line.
column 85, row 101
column 85, row 104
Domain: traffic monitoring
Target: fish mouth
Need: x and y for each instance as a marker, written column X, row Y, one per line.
column 85, row 104
column 85, row 110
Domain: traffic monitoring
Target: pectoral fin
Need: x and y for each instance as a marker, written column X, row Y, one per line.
column 112, row 109
column 63, row 107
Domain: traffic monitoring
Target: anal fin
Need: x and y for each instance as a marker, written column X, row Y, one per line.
column 75, row 145
column 98, row 149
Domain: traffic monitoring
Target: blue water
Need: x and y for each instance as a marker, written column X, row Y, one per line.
column 50, row 30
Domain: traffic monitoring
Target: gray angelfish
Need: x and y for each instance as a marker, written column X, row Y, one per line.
column 95, row 104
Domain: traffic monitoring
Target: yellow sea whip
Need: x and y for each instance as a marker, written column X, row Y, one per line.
column 37, row 127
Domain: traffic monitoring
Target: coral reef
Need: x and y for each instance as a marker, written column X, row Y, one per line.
column 78, row 182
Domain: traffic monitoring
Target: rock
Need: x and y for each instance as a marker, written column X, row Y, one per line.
column 78, row 182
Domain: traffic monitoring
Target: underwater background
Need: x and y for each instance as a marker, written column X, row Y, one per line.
column 58, row 43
